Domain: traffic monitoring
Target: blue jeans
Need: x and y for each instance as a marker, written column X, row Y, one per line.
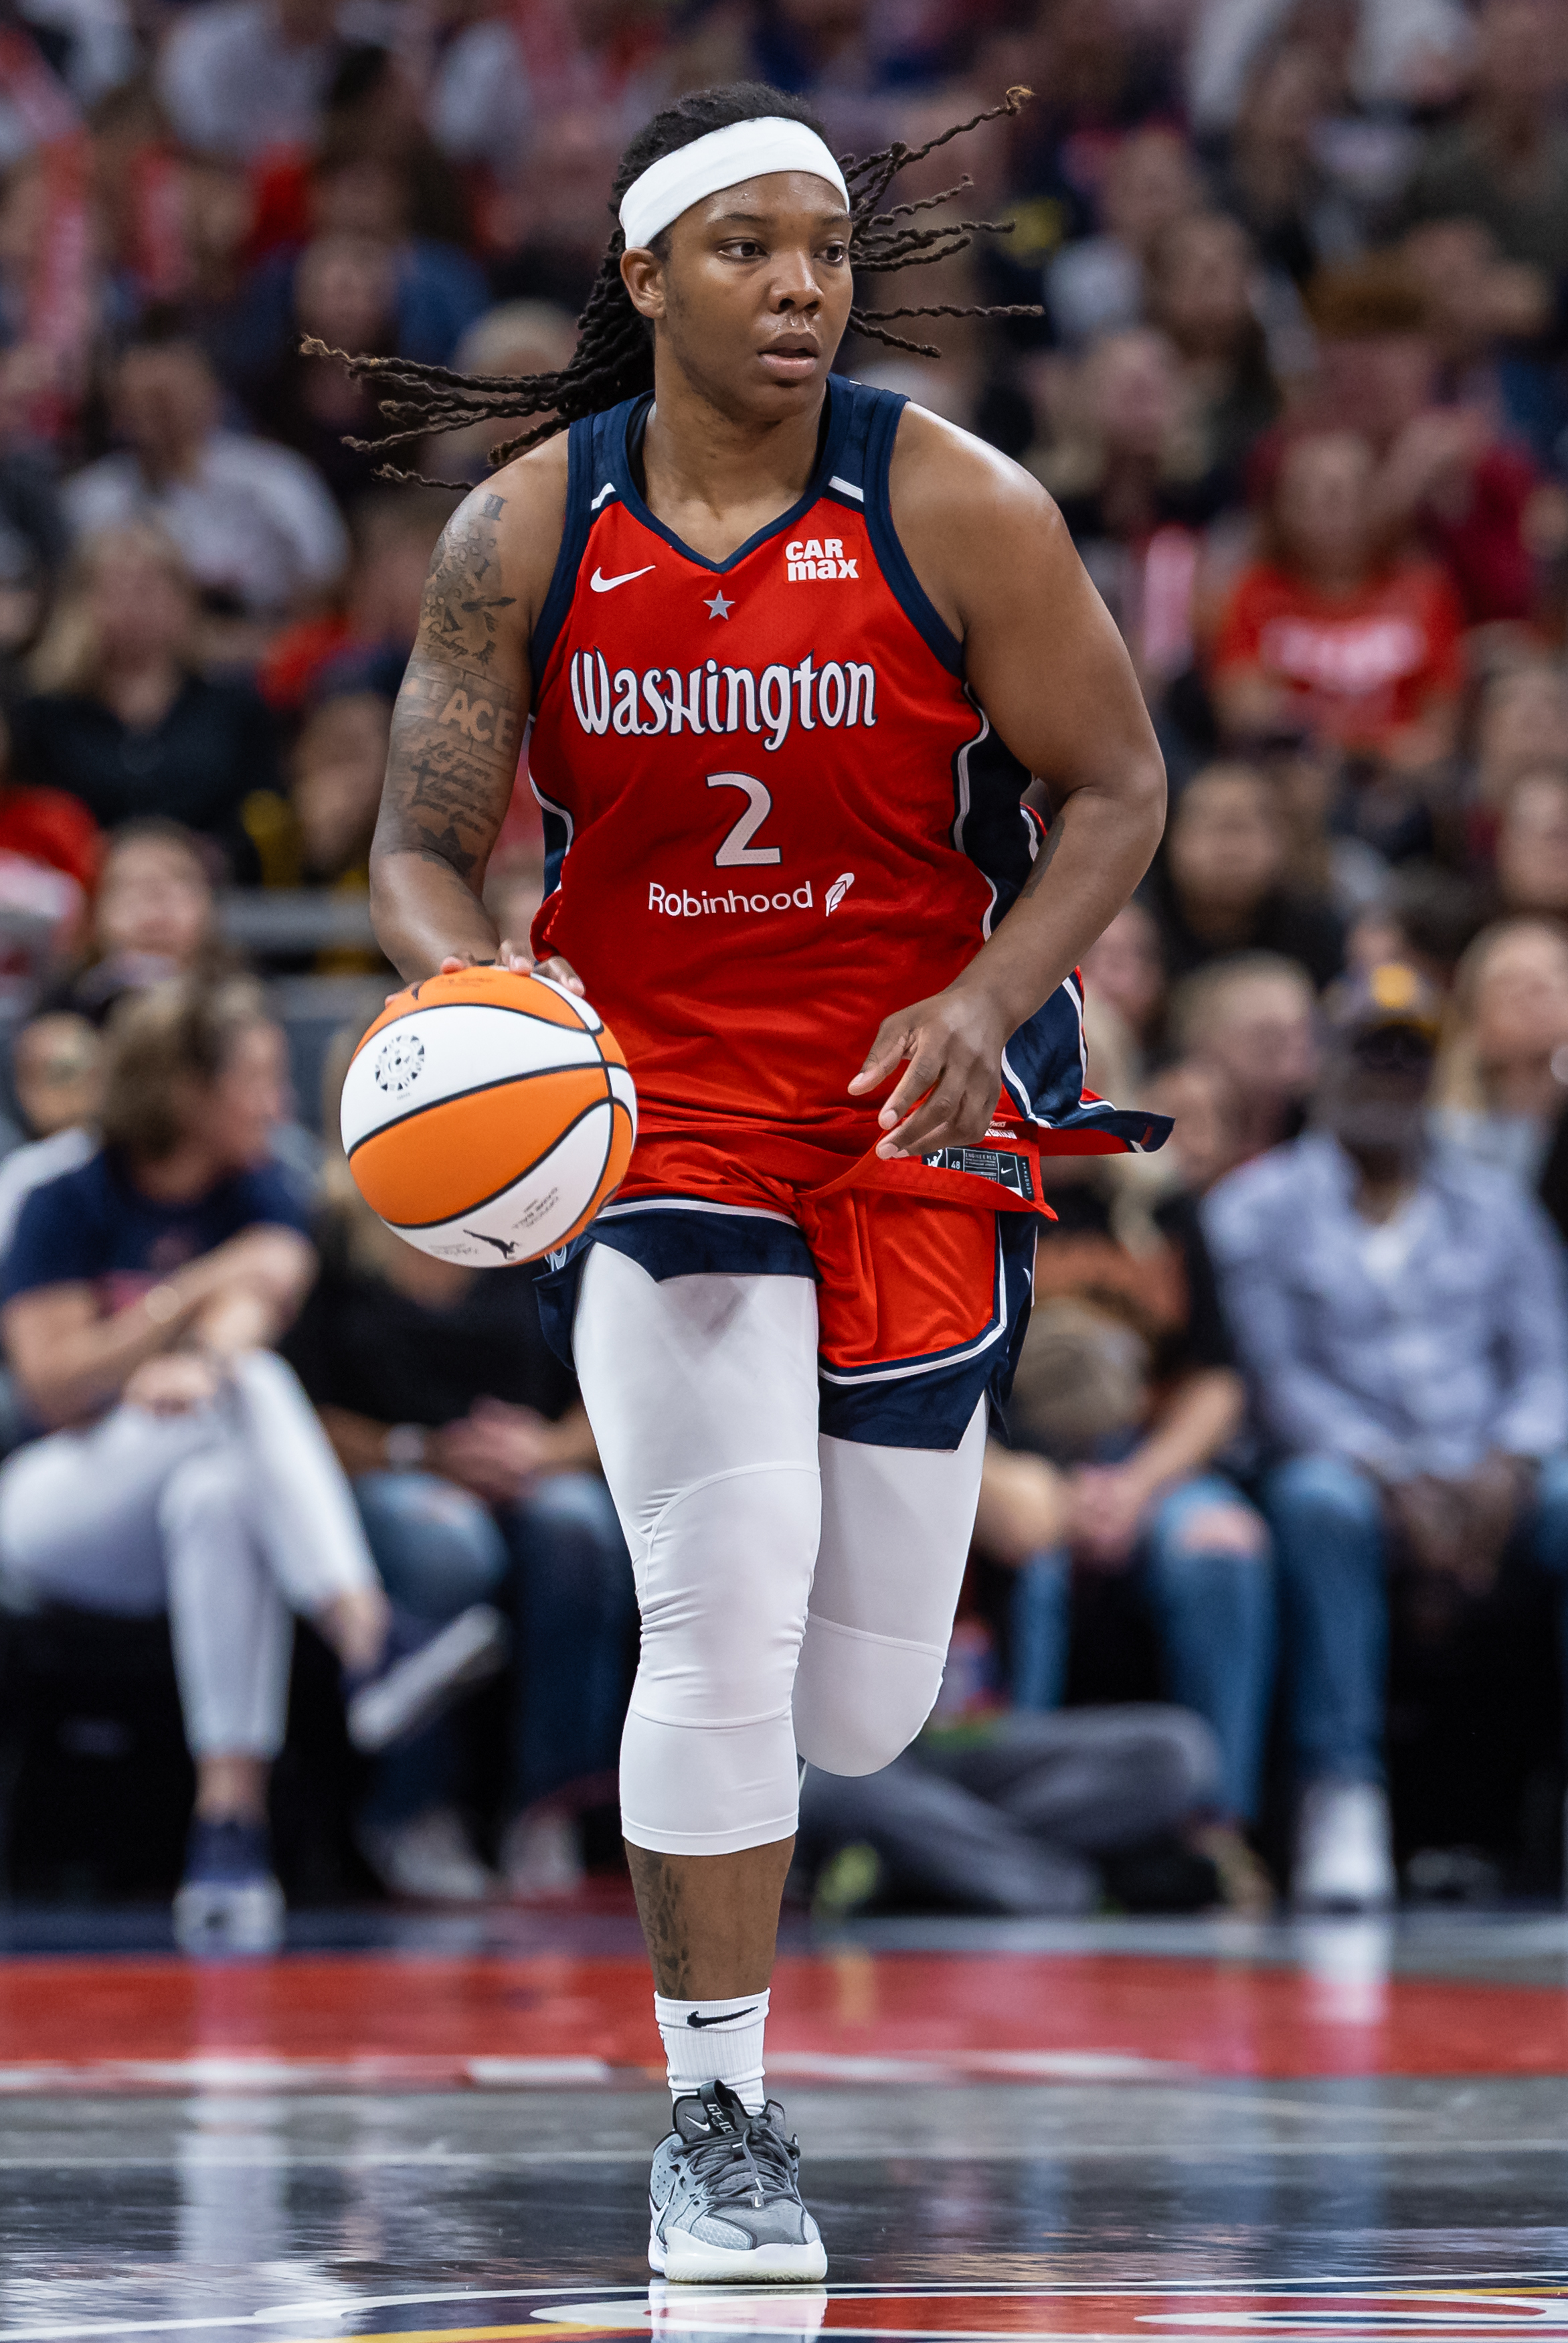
column 1203, row 1567
column 1330, row 1537
column 558, row 1560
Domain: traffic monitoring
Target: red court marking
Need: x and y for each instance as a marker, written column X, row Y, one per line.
column 1368, row 2314
column 422, row 2018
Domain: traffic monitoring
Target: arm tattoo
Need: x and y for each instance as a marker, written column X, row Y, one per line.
column 458, row 727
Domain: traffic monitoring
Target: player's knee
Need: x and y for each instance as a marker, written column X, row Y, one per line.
column 860, row 1699
column 723, row 1590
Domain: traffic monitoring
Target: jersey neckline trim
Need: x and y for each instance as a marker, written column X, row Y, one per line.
column 832, row 448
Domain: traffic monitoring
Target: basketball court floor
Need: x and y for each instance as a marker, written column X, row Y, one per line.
column 439, row 2131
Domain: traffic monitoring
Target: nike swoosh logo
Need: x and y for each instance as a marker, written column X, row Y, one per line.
column 603, row 585
column 724, row 2017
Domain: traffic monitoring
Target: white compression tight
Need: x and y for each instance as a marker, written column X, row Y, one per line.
column 797, row 1592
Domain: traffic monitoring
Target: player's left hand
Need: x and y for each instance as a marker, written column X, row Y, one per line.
column 949, row 1091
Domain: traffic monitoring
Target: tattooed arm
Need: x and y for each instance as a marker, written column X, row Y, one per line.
column 459, row 725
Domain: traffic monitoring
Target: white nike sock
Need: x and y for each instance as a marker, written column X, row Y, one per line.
column 715, row 2042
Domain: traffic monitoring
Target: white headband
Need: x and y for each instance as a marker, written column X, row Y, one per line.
column 745, row 150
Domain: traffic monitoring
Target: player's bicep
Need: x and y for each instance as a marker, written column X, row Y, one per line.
column 1047, row 664
column 458, row 727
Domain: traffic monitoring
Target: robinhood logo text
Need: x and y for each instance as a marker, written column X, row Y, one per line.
column 714, row 699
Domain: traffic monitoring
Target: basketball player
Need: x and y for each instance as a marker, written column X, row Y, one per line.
column 791, row 649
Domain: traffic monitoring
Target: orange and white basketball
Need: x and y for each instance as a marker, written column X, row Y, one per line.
column 488, row 1116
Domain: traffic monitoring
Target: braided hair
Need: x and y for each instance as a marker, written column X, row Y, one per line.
column 614, row 357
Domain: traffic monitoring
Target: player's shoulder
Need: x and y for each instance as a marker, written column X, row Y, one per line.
column 946, row 476
column 509, row 528
column 534, row 480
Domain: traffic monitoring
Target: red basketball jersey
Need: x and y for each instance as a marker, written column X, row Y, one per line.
column 774, row 812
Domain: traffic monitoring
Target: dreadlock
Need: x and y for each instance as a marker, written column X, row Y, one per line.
column 614, row 357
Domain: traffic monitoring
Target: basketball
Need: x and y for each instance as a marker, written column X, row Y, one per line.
column 486, row 1116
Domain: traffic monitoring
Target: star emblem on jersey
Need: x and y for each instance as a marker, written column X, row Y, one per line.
column 719, row 608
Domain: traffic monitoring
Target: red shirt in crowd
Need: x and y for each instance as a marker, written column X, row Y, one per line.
column 51, row 827
column 1356, row 667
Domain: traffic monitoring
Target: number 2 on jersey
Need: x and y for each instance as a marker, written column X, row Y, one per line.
column 738, row 850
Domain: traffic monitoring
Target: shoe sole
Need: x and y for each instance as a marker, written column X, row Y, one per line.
column 213, row 1922
column 471, row 1649
column 685, row 2261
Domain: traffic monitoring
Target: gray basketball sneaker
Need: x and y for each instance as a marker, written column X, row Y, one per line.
column 724, row 2197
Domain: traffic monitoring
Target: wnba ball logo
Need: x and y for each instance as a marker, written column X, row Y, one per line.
column 398, row 1062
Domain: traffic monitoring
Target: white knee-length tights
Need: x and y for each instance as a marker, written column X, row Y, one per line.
column 797, row 1592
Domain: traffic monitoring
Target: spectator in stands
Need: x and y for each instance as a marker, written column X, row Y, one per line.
column 1125, row 967
column 1501, row 1080
column 122, row 720
column 154, row 917
column 151, row 920
column 1531, row 864
column 475, row 1468
column 1200, row 292
column 341, row 290
column 366, row 643
column 364, row 284
column 1428, row 919
column 1521, row 727
column 1400, row 1313
column 57, row 1070
column 1486, row 318
column 1127, row 474
column 141, row 1294
column 339, row 762
column 1445, row 477
column 1322, row 863
column 1329, row 635
column 1201, row 1099
column 1271, row 175
column 1255, row 1018
column 1221, row 887
column 259, row 531
column 46, row 826
column 517, row 337
column 1020, row 1813
column 1096, row 285
column 372, row 119
column 237, row 77
column 1128, row 1385
column 1506, row 163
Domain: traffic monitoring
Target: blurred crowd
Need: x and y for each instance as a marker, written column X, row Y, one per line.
column 1295, row 1397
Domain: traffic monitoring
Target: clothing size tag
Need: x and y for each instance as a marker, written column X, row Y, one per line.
column 1012, row 1172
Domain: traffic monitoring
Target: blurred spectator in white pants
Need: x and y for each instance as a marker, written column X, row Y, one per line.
column 183, row 1466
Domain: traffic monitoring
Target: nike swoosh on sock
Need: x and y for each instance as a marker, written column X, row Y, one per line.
column 724, row 2017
